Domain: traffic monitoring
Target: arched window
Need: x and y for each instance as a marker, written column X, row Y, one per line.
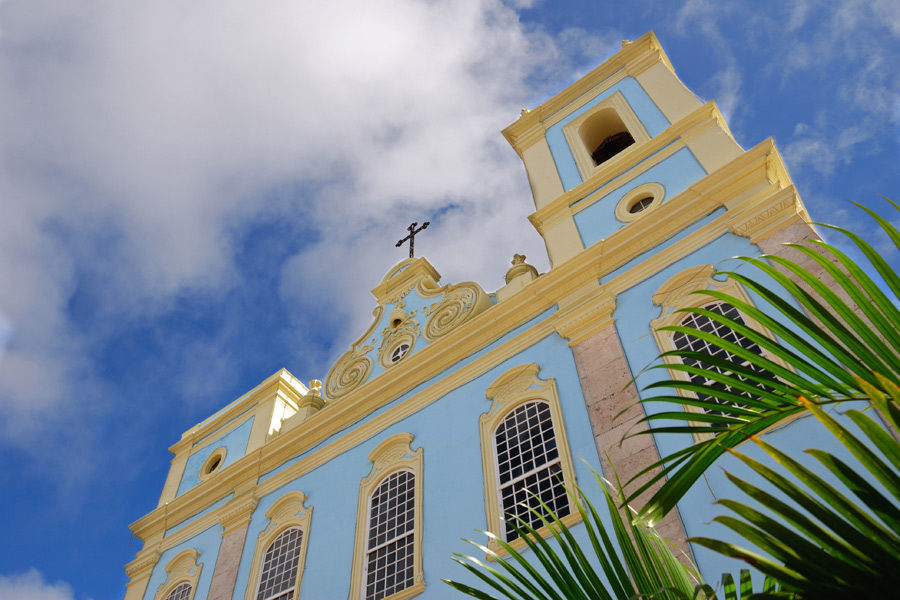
column 684, row 341
column 388, row 558
column 182, row 575
column 180, row 592
column 529, row 467
column 277, row 567
column 680, row 292
column 278, row 580
column 601, row 132
column 525, row 453
column 390, row 544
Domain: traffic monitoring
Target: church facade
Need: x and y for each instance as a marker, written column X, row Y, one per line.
column 456, row 402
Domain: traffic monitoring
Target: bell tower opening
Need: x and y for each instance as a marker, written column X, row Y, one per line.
column 604, row 135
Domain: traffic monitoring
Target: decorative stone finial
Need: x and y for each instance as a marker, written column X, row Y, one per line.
column 525, row 111
column 520, row 267
column 625, row 43
column 315, row 388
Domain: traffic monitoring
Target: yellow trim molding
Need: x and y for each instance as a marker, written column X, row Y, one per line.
column 237, row 512
column 510, row 390
column 288, row 512
column 391, row 455
column 183, row 568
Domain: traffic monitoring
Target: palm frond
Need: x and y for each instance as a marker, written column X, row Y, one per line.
column 841, row 341
column 827, row 541
column 631, row 561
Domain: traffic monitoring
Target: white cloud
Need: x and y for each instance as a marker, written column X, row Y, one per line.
column 32, row 586
column 138, row 138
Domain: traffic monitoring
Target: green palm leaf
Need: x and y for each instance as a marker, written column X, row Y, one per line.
column 837, row 352
column 634, row 561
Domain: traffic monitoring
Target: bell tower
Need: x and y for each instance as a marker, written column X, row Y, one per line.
column 615, row 145
column 641, row 194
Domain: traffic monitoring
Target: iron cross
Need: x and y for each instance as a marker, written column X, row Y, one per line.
column 412, row 236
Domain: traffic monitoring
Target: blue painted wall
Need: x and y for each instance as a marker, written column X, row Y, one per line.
column 235, row 443
column 453, row 480
column 644, row 108
column 207, row 543
column 674, row 173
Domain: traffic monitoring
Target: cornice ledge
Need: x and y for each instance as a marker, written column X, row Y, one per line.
column 700, row 120
column 281, row 379
column 757, row 165
column 654, row 54
column 142, row 565
column 766, row 216
column 637, row 55
column 526, row 131
column 238, row 512
column 584, row 320
column 403, row 277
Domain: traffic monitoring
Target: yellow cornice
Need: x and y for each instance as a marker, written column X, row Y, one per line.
column 645, row 156
column 592, row 314
column 237, row 512
column 282, row 379
column 142, row 565
column 770, row 214
column 632, row 59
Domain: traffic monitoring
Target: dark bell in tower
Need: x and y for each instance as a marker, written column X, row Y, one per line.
column 612, row 146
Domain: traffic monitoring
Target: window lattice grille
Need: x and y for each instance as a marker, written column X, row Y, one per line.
column 280, row 564
column 390, row 547
column 181, row 592
column 689, row 342
column 528, row 462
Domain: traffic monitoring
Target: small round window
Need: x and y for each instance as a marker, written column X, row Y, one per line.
column 640, row 205
column 213, row 463
column 640, row 201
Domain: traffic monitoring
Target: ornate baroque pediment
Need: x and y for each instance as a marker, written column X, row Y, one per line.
column 413, row 312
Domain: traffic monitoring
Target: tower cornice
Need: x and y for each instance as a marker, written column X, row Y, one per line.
column 634, row 58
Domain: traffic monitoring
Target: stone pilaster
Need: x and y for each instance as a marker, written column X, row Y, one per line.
column 139, row 571
column 225, row 574
column 235, row 521
column 604, row 374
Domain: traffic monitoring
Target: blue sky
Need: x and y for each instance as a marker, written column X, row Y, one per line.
column 196, row 194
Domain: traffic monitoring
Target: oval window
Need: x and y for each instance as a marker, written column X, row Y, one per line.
column 639, row 201
column 213, row 463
